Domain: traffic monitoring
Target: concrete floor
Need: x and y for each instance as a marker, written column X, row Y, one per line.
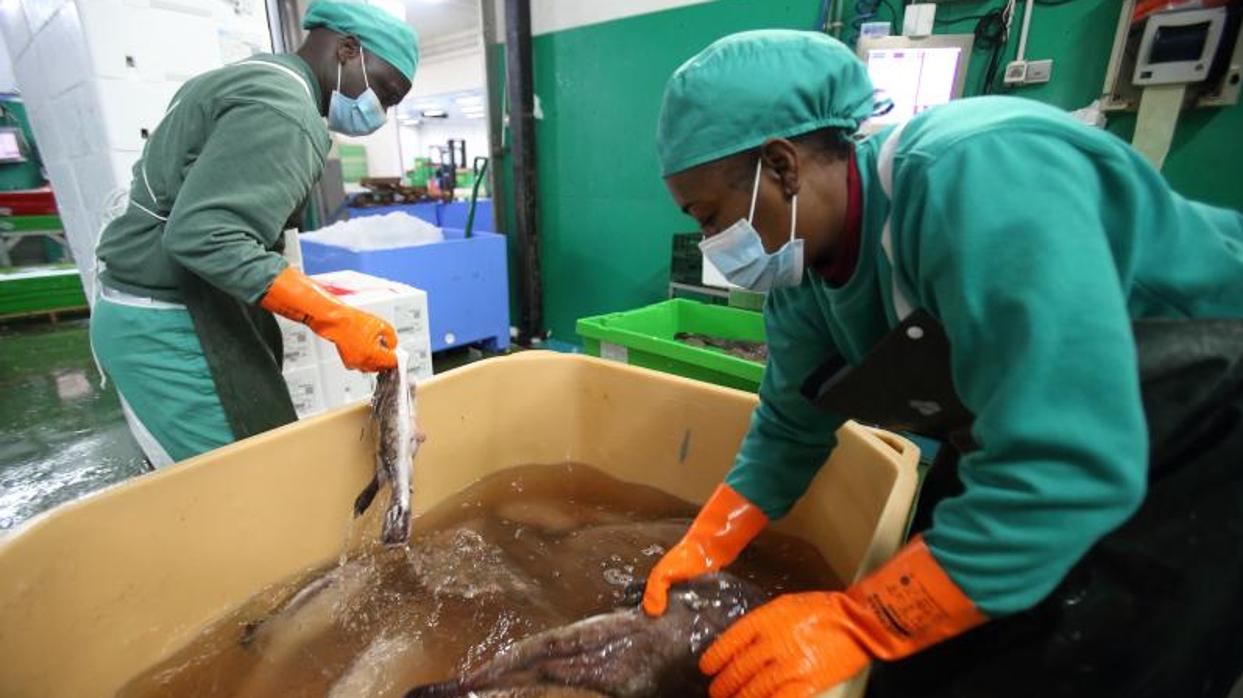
column 64, row 435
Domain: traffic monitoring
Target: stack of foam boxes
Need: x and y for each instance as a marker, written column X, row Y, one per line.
column 316, row 377
column 96, row 77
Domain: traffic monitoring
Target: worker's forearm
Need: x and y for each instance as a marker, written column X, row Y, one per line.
column 235, row 263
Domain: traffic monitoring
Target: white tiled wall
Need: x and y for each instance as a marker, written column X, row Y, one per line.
column 95, row 74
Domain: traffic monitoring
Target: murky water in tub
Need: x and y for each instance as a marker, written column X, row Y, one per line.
column 526, row 549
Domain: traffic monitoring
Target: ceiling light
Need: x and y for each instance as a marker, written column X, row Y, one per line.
column 469, row 100
column 434, row 113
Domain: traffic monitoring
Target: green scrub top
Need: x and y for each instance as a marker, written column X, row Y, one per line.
column 237, row 152
column 1035, row 241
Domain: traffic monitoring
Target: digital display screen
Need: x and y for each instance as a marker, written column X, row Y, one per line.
column 10, row 146
column 914, row 78
column 1176, row 44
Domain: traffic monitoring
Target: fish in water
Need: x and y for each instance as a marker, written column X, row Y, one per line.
column 622, row 654
column 397, row 442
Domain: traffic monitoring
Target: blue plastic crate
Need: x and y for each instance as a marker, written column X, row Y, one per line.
column 466, row 281
column 453, row 214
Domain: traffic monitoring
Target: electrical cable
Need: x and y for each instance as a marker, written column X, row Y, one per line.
column 992, row 33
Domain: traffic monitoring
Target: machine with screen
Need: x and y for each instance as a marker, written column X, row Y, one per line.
column 915, row 73
column 11, row 145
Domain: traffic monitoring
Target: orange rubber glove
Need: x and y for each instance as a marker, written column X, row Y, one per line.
column 798, row 645
column 725, row 525
column 364, row 341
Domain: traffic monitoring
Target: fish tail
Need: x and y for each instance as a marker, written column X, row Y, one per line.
column 367, row 496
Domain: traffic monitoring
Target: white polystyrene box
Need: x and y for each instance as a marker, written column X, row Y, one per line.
column 300, row 344
column 403, row 306
column 344, row 387
column 306, row 390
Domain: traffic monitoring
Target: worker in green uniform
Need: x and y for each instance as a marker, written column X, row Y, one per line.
column 192, row 271
column 1025, row 287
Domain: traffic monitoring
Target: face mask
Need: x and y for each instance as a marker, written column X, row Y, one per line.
column 739, row 253
column 355, row 116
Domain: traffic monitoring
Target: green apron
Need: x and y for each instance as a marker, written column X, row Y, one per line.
column 152, row 354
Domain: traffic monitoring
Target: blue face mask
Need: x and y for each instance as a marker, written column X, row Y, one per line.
column 356, row 116
column 739, row 253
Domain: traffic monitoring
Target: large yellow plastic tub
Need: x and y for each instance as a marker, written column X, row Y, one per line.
column 97, row 590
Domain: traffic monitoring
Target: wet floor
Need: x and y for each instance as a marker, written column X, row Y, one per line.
column 63, row 435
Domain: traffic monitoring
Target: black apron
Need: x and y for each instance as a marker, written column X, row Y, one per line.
column 244, row 350
column 1154, row 608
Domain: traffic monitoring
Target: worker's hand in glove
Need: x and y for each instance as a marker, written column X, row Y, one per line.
column 725, row 525
column 801, row 644
column 364, row 341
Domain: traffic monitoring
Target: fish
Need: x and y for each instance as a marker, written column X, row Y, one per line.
column 314, row 612
column 374, row 671
column 621, row 654
column 740, row 348
column 397, row 443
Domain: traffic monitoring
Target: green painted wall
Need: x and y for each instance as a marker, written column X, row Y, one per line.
column 1206, row 160
column 605, row 217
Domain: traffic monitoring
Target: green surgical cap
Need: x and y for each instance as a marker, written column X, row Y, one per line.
column 752, row 86
column 380, row 32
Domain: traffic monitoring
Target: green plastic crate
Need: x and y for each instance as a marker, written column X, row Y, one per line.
column 645, row 337
column 40, row 290
column 29, row 223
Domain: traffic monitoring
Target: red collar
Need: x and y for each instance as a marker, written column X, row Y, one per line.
column 838, row 270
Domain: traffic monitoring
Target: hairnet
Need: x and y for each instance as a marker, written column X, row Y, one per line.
column 748, row 87
column 380, row 32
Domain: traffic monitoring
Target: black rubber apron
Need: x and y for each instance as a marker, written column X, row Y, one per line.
column 1154, row 608
column 244, row 350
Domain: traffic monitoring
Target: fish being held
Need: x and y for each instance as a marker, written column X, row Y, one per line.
column 397, row 442
column 622, row 654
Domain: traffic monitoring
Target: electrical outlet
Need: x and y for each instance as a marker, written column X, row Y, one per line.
column 1016, row 73
column 1039, row 71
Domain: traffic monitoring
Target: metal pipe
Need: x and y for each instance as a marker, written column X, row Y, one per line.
column 521, row 93
column 1027, row 21
column 494, row 87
